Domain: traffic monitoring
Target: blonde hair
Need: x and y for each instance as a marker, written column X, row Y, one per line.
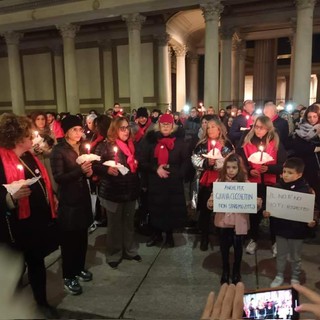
column 222, row 131
column 271, row 134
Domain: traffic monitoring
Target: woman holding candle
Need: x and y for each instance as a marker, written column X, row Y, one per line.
column 74, row 212
column 27, row 216
column 262, row 141
column 119, row 191
column 215, row 142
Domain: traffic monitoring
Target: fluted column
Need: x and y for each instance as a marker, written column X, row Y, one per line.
column 163, row 72
column 211, row 12
column 134, row 22
column 242, row 70
column 180, row 52
column 235, row 68
column 318, row 88
column 303, row 52
column 68, row 33
column 193, row 62
column 17, row 97
column 265, row 71
column 225, row 66
column 59, row 79
column 108, row 98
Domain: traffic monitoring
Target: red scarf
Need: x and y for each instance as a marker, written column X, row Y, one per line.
column 209, row 176
column 161, row 151
column 10, row 162
column 98, row 139
column 128, row 150
column 142, row 130
column 248, row 118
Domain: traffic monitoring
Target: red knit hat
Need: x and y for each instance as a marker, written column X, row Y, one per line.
column 166, row 118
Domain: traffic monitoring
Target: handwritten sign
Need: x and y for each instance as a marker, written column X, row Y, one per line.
column 237, row 197
column 290, row 205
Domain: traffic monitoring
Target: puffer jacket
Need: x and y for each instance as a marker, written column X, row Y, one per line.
column 120, row 188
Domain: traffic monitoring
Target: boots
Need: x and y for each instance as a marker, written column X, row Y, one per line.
column 236, row 277
column 204, row 242
column 225, row 275
column 169, row 240
column 155, row 239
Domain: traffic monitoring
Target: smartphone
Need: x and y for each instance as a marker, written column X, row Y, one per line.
column 277, row 303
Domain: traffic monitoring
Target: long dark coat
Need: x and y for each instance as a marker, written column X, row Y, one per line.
column 74, row 211
column 166, row 200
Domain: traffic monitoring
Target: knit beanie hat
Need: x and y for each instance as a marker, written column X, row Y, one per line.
column 166, row 118
column 69, row 122
column 142, row 112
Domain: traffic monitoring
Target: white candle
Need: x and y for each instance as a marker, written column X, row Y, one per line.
column 261, row 148
column 115, row 149
column 87, row 146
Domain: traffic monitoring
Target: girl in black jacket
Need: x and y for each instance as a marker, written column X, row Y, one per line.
column 118, row 191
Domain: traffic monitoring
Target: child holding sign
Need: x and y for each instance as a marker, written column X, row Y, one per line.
column 290, row 234
column 233, row 226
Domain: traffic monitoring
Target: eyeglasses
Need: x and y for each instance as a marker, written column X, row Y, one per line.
column 124, row 128
column 165, row 124
column 260, row 127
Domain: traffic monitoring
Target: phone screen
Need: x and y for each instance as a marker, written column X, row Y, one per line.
column 271, row 304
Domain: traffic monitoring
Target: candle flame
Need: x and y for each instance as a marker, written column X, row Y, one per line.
column 115, row 149
column 20, row 167
column 36, row 133
column 261, row 148
column 247, row 117
column 213, row 142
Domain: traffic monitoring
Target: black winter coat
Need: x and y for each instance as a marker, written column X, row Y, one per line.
column 166, row 200
column 74, row 211
column 120, row 188
column 286, row 228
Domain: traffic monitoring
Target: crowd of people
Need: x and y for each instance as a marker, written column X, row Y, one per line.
column 81, row 172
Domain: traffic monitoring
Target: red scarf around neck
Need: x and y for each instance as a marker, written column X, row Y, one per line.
column 161, row 151
column 10, row 162
column 128, row 150
column 142, row 130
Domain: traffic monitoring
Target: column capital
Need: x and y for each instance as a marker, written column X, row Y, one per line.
column 180, row 50
column 236, row 42
column 211, row 11
column 134, row 21
column 162, row 38
column 68, row 30
column 226, row 33
column 12, row 37
column 304, row 4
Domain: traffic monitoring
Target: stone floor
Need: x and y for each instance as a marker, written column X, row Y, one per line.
column 167, row 284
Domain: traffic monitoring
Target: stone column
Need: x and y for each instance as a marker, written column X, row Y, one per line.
column 242, row 70
column 225, row 66
column 68, row 33
column 292, row 40
column 164, row 72
column 17, row 96
column 59, row 79
column 303, row 52
column 193, row 62
column 288, row 85
column 211, row 12
column 236, row 42
column 318, row 87
column 134, row 22
column 180, row 52
column 265, row 71
column 108, row 99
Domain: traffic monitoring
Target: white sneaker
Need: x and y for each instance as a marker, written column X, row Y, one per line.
column 93, row 227
column 295, row 281
column 274, row 250
column 277, row 282
column 251, row 247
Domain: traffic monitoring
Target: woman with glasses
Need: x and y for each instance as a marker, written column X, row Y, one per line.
column 164, row 159
column 264, row 169
column 74, row 211
column 214, row 140
column 119, row 189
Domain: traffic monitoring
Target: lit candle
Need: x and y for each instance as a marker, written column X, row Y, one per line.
column 87, row 146
column 247, row 117
column 121, row 110
column 20, row 167
column 261, row 148
column 115, row 149
column 233, row 114
column 36, row 134
column 213, row 143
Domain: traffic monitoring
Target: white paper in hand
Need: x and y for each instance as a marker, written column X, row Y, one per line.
column 87, row 157
column 256, row 157
column 14, row 186
column 111, row 163
column 213, row 154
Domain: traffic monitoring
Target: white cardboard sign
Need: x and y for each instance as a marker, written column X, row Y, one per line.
column 237, row 197
column 290, row 205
